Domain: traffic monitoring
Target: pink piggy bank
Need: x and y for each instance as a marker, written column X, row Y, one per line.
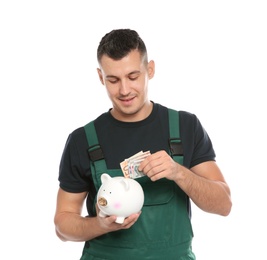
column 119, row 196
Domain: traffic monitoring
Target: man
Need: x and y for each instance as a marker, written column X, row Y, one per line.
column 162, row 230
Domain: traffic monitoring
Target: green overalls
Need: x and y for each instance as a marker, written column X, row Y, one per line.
column 163, row 230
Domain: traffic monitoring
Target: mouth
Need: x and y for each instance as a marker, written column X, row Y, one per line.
column 127, row 101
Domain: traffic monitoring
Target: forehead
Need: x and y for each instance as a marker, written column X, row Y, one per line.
column 129, row 63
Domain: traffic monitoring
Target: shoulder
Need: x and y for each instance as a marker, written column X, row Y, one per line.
column 184, row 115
column 77, row 134
column 75, row 141
column 188, row 117
column 190, row 124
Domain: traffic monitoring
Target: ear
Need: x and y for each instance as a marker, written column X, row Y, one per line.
column 100, row 75
column 105, row 177
column 126, row 184
column 151, row 69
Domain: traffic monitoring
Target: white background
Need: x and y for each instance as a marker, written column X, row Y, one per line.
column 211, row 60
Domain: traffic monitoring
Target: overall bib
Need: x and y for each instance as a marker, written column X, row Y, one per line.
column 163, row 230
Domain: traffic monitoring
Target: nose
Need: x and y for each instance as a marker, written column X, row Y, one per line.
column 102, row 201
column 124, row 88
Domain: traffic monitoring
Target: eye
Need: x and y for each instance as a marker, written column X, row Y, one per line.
column 113, row 81
column 134, row 75
column 133, row 78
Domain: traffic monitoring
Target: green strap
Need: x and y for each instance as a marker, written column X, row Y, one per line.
column 97, row 160
column 174, row 123
column 91, row 133
column 175, row 142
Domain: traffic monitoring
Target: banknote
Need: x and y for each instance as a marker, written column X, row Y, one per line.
column 124, row 168
column 130, row 165
column 133, row 169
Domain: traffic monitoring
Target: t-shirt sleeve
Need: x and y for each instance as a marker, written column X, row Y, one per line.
column 197, row 144
column 203, row 148
column 74, row 168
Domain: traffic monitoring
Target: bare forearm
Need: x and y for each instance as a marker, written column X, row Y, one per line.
column 209, row 195
column 73, row 227
column 70, row 227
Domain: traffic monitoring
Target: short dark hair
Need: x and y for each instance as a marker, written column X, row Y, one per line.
column 119, row 43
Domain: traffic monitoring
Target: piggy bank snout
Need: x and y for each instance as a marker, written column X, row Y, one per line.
column 102, row 201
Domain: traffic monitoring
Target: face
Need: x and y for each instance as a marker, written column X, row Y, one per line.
column 126, row 82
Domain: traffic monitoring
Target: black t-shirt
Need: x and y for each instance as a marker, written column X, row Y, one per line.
column 120, row 140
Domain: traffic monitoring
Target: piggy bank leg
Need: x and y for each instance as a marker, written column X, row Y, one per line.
column 101, row 214
column 120, row 220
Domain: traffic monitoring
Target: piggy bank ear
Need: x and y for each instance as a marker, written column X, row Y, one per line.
column 125, row 183
column 105, row 177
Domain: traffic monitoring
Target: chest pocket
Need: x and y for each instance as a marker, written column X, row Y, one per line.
column 156, row 193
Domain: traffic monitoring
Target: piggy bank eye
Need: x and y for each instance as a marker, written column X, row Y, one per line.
column 105, row 190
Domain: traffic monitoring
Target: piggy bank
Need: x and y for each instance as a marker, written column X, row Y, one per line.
column 119, row 196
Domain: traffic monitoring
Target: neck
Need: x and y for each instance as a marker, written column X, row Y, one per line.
column 133, row 116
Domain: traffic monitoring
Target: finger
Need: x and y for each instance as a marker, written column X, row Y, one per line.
column 110, row 219
column 153, row 167
column 129, row 221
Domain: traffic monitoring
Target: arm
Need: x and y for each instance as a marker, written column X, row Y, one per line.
column 203, row 183
column 71, row 226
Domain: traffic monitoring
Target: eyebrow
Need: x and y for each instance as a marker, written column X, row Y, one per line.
column 134, row 72
column 131, row 73
column 111, row 77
